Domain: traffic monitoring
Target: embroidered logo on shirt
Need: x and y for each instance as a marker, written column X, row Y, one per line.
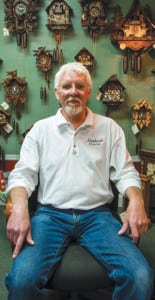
column 95, row 141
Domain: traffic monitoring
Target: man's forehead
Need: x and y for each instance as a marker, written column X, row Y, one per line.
column 69, row 75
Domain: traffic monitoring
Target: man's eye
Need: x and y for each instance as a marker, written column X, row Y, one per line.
column 66, row 86
column 80, row 86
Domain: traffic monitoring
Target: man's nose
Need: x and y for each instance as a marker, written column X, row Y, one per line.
column 74, row 89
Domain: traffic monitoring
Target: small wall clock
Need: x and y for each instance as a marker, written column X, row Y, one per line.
column 111, row 92
column 20, row 17
column 142, row 113
column 86, row 58
column 133, row 34
column 15, row 91
column 59, row 18
column 94, row 16
column 44, row 61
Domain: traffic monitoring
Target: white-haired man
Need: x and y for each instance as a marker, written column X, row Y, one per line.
column 75, row 154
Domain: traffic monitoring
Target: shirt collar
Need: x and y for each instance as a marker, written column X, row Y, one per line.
column 60, row 120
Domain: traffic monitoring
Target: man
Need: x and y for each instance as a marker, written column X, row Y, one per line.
column 75, row 154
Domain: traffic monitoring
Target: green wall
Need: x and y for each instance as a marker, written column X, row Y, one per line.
column 108, row 60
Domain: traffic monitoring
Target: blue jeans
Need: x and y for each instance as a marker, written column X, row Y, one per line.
column 96, row 230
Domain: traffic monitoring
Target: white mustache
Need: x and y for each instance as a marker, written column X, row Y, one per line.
column 73, row 99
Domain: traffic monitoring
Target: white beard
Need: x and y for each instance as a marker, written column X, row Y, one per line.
column 72, row 110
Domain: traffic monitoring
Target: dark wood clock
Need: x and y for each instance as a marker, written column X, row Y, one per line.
column 44, row 61
column 59, row 18
column 133, row 34
column 86, row 58
column 94, row 16
column 15, row 91
column 21, row 17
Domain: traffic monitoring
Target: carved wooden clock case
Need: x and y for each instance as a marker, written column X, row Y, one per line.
column 20, row 17
column 94, row 16
column 59, row 18
column 133, row 34
column 15, row 91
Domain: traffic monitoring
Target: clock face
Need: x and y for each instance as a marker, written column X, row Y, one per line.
column 15, row 90
column 94, row 12
column 20, row 8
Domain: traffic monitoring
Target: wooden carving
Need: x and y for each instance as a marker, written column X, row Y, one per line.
column 21, row 17
column 133, row 34
column 86, row 58
column 44, row 60
column 94, row 16
column 111, row 92
column 142, row 113
column 15, row 90
column 59, row 18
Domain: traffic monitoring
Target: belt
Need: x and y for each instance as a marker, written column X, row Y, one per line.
column 105, row 207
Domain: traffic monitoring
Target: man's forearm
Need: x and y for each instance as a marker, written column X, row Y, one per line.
column 133, row 193
column 18, row 196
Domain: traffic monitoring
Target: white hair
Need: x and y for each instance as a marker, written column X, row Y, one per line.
column 73, row 66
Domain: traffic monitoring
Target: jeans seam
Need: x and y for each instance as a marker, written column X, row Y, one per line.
column 101, row 260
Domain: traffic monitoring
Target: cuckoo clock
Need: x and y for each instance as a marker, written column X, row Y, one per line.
column 94, row 16
column 86, row 58
column 20, row 17
column 111, row 92
column 59, row 18
column 15, row 91
column 44, row 61
column 142, row 113
column 133, row 34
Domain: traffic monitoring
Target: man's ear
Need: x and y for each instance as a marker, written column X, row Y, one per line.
column 56, row 94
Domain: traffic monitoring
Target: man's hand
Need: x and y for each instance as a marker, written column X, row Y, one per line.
column 136, row 220
column 18, row 224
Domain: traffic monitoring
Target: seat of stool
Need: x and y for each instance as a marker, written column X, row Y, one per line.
column 79, row 271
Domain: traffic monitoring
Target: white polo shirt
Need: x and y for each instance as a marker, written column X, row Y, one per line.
column 74, row 166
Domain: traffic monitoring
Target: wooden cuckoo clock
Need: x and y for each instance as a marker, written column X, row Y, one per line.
column 86, row 58
column 133, row 34
column 111, row 92
column 94, row 16
column 59, row 18
column 15, row 91
column 20, row 17
column 44, row 61
column 142, row 113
